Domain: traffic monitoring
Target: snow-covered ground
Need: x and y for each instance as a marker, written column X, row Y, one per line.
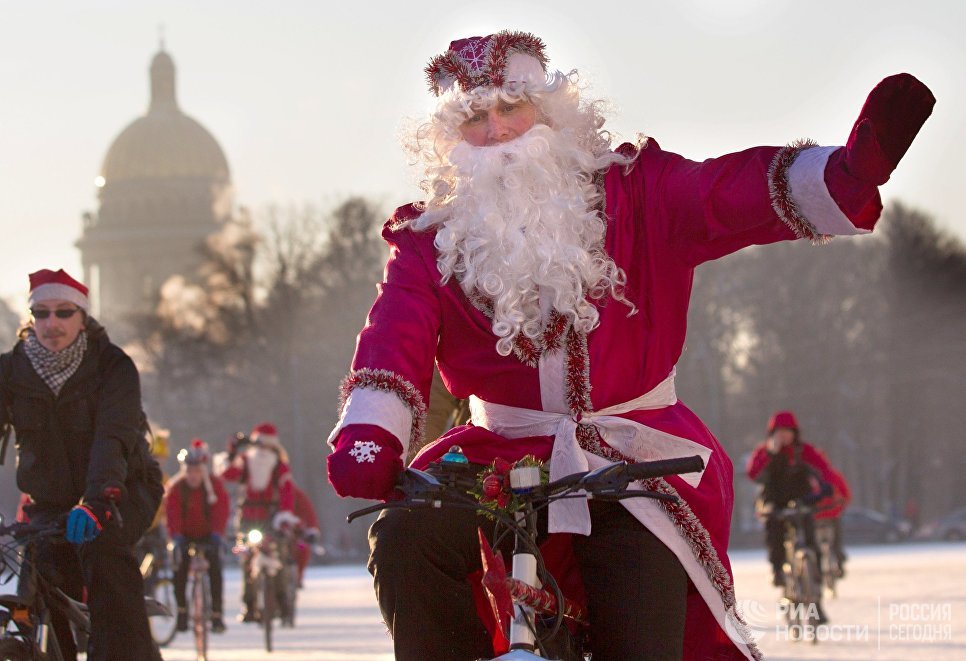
column 903, row 602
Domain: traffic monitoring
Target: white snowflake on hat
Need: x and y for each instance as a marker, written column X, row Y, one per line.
column 474, row 54
column 365, row 451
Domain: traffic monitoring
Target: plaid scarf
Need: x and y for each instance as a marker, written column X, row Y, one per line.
column 55, row 367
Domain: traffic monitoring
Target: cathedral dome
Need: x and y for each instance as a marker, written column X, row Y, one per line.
column 165, row 142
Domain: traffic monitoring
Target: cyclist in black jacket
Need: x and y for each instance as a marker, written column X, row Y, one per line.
column 74, row 401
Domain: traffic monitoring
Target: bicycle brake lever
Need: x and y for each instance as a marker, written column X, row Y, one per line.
column 611, row 478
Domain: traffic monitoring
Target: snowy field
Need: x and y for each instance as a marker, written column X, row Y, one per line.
column 903, row 602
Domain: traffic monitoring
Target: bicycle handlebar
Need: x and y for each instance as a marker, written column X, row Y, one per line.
column 421, row 488
column 19, row 528
column 676, row 466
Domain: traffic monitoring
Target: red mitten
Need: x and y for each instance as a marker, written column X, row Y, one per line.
column 890, row 119
column 893, row 113
column 366, row 462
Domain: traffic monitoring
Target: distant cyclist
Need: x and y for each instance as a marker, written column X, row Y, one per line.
column 266, row 498
column 197, row 511
column 789, row 469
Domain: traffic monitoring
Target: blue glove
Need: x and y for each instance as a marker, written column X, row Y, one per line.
column 85, row 522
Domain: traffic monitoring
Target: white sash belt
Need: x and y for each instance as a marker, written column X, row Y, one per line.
column 632, row 439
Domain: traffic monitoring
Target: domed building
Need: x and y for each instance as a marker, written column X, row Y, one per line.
column 164, row 187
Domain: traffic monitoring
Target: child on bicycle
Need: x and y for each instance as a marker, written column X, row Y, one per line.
column 197, row 511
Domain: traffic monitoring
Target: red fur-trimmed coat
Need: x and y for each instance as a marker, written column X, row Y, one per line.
column 666, row 216
column 267, row 490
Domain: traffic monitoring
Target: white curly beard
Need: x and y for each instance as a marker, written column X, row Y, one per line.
column 521, row 228
column 261, row 464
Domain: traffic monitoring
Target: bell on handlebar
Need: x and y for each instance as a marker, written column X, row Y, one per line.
column 455, row 456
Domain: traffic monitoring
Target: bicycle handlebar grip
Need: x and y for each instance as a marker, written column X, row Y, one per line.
column 648, row 469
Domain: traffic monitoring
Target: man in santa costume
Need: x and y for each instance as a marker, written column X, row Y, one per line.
column 776, row 465
column 548, row 275
column 259, row 464
column 74, row 401
column 197, row 509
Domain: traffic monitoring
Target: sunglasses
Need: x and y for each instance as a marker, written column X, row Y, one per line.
column 60, row 314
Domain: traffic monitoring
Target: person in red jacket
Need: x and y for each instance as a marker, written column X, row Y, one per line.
column 197, row 511
column 259, row 464
column 308, row 530
column 772, row 463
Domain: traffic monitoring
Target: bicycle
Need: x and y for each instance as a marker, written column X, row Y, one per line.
column 159, row 585
column 26, row 632
column 273, row 575
column 518, row 597
column 801, row 600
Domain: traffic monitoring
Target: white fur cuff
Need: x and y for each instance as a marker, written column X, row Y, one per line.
column 285, row 518
column 367, row 406
column 806, row 180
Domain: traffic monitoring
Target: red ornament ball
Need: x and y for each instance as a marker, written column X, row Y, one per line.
column 492, row 485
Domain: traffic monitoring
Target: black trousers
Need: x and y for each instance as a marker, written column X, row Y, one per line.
column 636, row 588
column 109, row 570
column 214, row 576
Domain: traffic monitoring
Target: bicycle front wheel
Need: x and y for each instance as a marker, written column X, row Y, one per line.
column 163, row 628
column 201, row 614
column 266, row 586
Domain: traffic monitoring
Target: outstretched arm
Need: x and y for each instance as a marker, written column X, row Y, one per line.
column 769, row 194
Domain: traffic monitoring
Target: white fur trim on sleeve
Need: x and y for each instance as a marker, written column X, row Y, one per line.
column 368, row 406
column 285, row 518
column 806, row 180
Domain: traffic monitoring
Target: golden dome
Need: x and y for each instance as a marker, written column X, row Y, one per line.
column 164, row 143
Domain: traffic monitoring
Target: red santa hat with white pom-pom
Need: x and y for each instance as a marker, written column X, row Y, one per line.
column 47, row 285
column 503, row 59
column 266, row 434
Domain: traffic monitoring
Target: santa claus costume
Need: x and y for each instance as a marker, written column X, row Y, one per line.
column 262, row 471
column 555, row 296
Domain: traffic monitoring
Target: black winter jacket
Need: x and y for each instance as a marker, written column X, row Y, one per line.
column 74, row 445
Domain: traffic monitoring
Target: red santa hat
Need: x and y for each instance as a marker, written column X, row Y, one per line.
column 496, row 60
column 266, row 433
column 783, row 419
column 47, row 285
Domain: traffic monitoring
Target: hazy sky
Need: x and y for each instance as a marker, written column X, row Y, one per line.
column 307, row 98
